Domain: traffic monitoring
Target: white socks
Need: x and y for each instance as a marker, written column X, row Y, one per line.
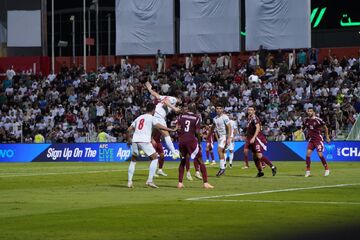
column 152, row 169
column 131, row 170
column 169, row 144
column 231, row 157
column 222, row 164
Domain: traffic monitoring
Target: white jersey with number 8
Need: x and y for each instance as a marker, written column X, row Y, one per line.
column 143, row 128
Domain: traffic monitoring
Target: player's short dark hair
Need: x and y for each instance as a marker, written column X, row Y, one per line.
column 310, row 108
column 150, row 107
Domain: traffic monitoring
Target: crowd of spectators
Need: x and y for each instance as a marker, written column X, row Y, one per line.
column 74, row 106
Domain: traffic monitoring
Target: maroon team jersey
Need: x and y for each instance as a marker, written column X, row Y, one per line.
column 251, row 127
column 210, row 137
column 314, row 127
column 189, row 124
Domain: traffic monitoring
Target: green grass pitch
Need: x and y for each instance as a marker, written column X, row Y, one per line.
column 91, row 201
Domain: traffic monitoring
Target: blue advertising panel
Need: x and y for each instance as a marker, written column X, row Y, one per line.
column 120, row 152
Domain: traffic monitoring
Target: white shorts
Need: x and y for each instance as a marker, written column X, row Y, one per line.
column 222, row 141
column 160, row 121
column 231, row 146
column 148, row 148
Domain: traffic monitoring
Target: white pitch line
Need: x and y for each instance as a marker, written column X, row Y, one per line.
column 280, row 201
column 273, row 191
column 69, row 173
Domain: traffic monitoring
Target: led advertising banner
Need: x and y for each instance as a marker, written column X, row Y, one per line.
column 326, row 14
column 120, row 152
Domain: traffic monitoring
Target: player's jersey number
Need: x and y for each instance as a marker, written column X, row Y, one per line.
column 187, row 126
column 141, row 124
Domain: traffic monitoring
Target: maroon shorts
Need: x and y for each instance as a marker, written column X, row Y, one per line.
column 319, row 145
column 190, row 148
column 159, row 148
column 259, row 146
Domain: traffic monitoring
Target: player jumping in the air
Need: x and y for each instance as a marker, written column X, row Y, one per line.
column 165, row 104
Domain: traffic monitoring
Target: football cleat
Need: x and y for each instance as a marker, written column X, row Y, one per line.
column 327, row 173
column 180, row 185
column 208, row 186
column 151, row 184
column 198, row 176
column 213, row 163
column 307, row 174
column 220, row 172
column 245, row 167
column 176, row 155
column 207, row 162
column 274, row 170
column 130, row 184
column 260, row 174
column 161, row 172
column 230, row 165
column 188, row 176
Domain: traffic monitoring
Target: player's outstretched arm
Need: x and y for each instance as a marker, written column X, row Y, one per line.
column 152, row 92
column 161, row 127
column 174, row 108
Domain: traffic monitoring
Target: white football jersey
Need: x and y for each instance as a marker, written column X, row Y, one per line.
column 220, row 124
column 143, row 128
column 161, row 109
column 233, row 127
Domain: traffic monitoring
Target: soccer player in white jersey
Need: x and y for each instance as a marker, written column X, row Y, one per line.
column 223, row 129
column 231, row 146
column 165, row 105
column 141, row 140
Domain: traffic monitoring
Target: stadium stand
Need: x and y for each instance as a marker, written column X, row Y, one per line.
column 71, row 105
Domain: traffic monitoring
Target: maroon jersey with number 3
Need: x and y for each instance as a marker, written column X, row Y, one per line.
column 189, row 124
column 188, row 143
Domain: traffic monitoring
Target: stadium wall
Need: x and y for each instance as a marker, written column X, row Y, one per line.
column 120, row 152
